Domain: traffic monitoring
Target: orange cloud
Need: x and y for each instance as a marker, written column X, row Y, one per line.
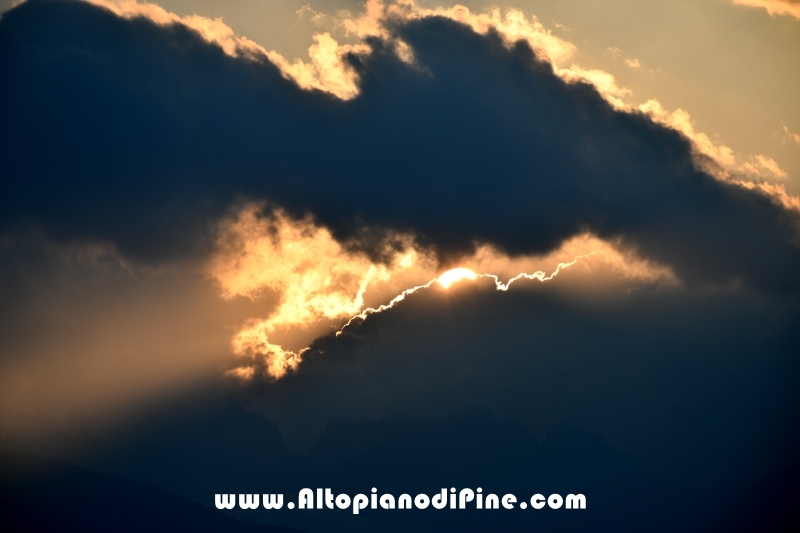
column 774, row 7
column 327, row 71
column 320, row 284
column 721, row 162
column 313, row 276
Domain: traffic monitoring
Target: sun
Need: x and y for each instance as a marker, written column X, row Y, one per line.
column 456, row 274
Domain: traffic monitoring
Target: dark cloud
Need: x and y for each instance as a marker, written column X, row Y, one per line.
column 688, row 382
column 142, row 135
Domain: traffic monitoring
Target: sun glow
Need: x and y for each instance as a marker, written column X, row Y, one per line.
column 314, row 285
column 454, row 275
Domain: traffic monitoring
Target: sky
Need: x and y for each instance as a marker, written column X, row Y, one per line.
column 303, row 233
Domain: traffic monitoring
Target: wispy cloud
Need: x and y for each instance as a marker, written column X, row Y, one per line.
column 787, row 135
column 774, row 7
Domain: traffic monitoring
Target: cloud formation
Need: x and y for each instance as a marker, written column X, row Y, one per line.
column 152, row 131
column 319, row 283
column 774, row 7
column 313, row 276
column 788, row 135
column 327, row 70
